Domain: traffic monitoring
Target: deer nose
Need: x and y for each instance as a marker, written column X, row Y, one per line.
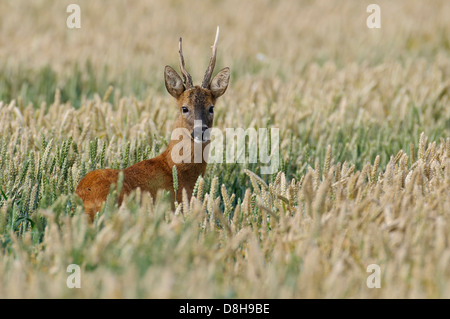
column 199, row 133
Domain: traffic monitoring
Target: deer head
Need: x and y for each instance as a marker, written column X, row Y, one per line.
column 196, row 103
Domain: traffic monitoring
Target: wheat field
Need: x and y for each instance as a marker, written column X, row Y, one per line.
column 364, row 175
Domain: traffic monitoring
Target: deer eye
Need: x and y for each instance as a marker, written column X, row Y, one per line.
column 185, row 110
column 211, row 109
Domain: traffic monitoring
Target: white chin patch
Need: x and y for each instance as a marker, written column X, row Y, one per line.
column 198, row 140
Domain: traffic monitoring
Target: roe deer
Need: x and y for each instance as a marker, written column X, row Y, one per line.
column 195, row 103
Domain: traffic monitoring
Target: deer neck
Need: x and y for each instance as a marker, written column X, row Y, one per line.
column 187, row 155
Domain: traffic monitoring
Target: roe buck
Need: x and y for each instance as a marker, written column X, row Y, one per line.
column 196, row 105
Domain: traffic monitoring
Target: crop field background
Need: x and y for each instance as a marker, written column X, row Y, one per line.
column 364, row 175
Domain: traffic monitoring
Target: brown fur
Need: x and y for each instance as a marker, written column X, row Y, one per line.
column 156, row 173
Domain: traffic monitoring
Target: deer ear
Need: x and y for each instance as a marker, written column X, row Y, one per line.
column 174, row 84
column 219, row 83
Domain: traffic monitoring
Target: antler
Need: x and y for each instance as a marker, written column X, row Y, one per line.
column 187, row 77
column 212, row 62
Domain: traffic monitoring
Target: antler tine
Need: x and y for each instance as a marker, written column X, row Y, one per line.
column 186, row 76
column 212, row 62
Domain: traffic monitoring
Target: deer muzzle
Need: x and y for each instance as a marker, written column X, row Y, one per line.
column 200, row 134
